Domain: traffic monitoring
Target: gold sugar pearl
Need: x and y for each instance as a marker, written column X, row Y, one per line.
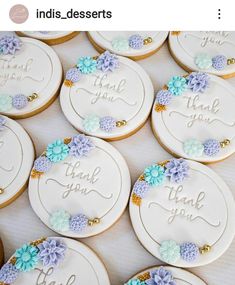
column 121, row 123
column 206, row 248
column 231, row 61
column 93, row 222
column 148, row 40
column 32, row 97
column 144, row 276
column 90, row 223
column 1, row 191
column 96, row 220
column 145, row 42
column 225, row 143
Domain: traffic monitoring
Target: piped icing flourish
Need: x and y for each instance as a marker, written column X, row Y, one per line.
column 176, row 170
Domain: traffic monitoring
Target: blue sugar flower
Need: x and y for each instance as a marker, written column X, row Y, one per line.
column 177, row 85
column 5, row 103
column 59, row 221
column 169, row 251
column 120, row 44
column 26, row 258
column 193, row 148
column 154, row 175
column 91, row 123
column 135, row 282
column 87, row 64
column 57, row 151
column 203, row 61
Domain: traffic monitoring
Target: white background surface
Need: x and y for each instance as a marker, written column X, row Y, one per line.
column 118, row 247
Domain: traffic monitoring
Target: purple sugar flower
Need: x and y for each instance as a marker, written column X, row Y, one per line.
column 8, row 273
column 177, row 170
column 80, row 146
column 73, row 75
column 141, row 188
column 78, row 223
column 211, row 147
column 19, row 101
column 198, row 81
column 107, row 124
column 9, row 44
column 107, row 62
column 164, row 97
column 160, row 276
column 2, row 123
column 189, row 251
column 136, row 42
column 219, row 62
column 42, row 164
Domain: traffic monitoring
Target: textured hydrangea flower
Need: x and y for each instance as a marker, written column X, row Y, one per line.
column 120, row 44
column 42, row 164
column 169, row 251
column 107, row 62
column 154, row 175
column 5, row 103
column 219, row 62
column 19, row 101
column 198, row 81
column 177, row 85
column 9, row 44
column 189, row 251
column 80, row 146
column 203, row 61
column 57, row 151
column 2, row 123
column 8, row 273
column 59, row 221
column 26, row 258
column 211, row 147
column 136, row 41
column 107, row 124
column 141, row 188
column 78, row 223
column 160, row 276
column 177, row 170
column 135, row 282
column 51, row 252
column 91, row 123
column 164, row 97
column 87, row 64
column 193, row 147
column 73, row 75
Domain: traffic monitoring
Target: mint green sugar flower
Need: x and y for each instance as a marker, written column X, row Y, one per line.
column 154, row 175
column 87, row 64
column 59, row 221
column 169, row 251
column 120, row 44
column 26, row 258
column 177, row 85
column 5, row 103
column 91, row 123
column 203, row 61
column 135, row 282
column 57, row 151
column 193, row 148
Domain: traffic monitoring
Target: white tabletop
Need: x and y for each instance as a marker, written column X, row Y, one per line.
column 118, row 247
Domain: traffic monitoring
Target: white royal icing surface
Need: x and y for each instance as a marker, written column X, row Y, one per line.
column 208, row 115
column 104, row 39
column 125, row 94
column 187, row 45
column 180, row 276
column 102, row 183
column 80, row 266
column 185, row 212
column 35, row 68
column 46, row 35
column 16, row 159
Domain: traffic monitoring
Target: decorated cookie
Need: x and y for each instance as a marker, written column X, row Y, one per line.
column 50, row 37
column 1, row 253
column 172, row 209
column 30, row 76
column 166, row 275
column 54, row 261
column 136, row 45
column 193, row 117
column 79, row 186
column 212, row 52
column 16, row 160
column 107, row 96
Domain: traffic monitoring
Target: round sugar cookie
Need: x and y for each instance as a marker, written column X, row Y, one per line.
column 16, row 160
column 107, row 96
column 54, row 260
column 50, row 37
column 172, row 209
column 1, row 253
column 30, row 76
column 176, row 276
column 193, row 117
column 208, row 51
column 135, row 44
column 80, row 186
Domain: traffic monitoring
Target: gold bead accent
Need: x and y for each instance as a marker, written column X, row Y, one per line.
column 143, row 277
column 136, row 199
column 67, row 140
column 145, row 42
column 121, row 123
column 93, row 222
column 175, row 33
column 35, row 174
column 206, row 248
column 13, row 260
column 32, row 97
column 148, row 40
column 38, row 241
column 1, row 191
column 163, row 163
column 95, row 57
column 165, row 87
column 160, row 108
column 68, row 83
column 230, row 61
column 141, row 178
column 225, row 143
column 96, row 220
column 90, row 223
